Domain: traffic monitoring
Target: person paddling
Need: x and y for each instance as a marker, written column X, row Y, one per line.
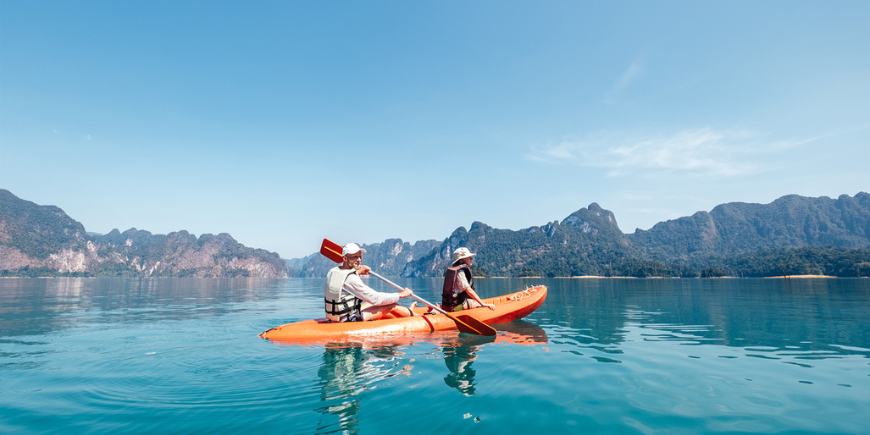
column 458, row 291
column 348, row 299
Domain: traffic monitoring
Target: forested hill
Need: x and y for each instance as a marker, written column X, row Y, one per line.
column 584, row 243
column 43, row 241
column 735, row 228
column 792, row 235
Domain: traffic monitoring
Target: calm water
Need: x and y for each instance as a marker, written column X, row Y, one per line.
column 600, row 356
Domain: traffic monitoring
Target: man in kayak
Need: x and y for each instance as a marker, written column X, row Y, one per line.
column 348, row 299
column 458, row 292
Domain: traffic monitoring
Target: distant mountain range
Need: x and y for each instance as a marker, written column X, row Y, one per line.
column 43, row 241
column 793, row 235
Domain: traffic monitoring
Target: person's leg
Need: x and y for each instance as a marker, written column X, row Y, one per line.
column 375, row 312
column 470, row 303
column 400, row 311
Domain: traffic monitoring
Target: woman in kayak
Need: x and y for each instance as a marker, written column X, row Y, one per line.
column 348, row 299
column 458, row 292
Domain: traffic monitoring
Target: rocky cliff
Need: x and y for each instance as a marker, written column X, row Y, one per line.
column 581, row 244
column 735, row 238
column 789, row 222
column 387, row 258
column 794, row 233
column 42, row 240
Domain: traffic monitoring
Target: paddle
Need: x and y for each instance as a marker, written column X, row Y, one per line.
column 466, row 323
column 331, row 250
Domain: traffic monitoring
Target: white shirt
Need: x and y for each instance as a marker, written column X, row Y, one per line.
column 460, row 284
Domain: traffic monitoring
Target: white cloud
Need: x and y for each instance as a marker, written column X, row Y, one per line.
column 704, row 151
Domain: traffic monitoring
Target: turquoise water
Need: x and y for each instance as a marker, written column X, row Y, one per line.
column 600, row 356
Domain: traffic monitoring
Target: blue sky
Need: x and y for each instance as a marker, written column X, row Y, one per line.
column 281, row 123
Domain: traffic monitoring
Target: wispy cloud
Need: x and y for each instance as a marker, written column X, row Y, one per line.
column 704, row 151
column 624, row 81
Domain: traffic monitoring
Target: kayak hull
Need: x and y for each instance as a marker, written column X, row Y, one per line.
column 508, row 308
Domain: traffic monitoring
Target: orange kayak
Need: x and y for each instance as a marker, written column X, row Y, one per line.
column 507, row 309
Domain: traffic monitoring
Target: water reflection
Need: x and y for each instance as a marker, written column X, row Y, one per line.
column 347, row 370
column 781, row 319
column 355, row 366
column 459, row 356
column 31, row 307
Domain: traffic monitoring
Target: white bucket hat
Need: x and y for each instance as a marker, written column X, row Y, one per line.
column 461, row 253
column 351, row 248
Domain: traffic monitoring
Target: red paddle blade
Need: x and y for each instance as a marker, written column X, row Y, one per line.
column 470, row 325
column 331, row 250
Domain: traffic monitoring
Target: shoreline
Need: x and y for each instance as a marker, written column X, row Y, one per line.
column 676, row 277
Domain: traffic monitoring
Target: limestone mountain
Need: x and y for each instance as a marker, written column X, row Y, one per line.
column 44, row 241
column 793, row 233
column 584, row 243
column 789, row 222
column 388, row 258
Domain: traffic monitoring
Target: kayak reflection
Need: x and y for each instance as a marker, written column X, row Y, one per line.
column 350, row 368
column 521, row 332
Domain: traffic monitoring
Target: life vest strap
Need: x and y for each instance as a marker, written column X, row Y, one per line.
column 345, row 307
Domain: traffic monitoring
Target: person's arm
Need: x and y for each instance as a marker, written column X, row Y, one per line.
column 355, row 285
column 473, row 295
column 463, row 282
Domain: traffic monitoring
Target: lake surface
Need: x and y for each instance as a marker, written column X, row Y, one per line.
column 614, row 356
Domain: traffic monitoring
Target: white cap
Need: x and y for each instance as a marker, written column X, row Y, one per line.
column 461, row 253
column 351, row 248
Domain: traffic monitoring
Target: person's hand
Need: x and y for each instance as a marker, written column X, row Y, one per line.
column 364, row 270
column 490, row 306
column 405, row 293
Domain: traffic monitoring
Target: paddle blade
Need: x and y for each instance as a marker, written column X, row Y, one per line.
column 331, row 250
column 470, row 325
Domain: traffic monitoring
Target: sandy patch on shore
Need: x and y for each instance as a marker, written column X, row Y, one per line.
column 802, row 276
